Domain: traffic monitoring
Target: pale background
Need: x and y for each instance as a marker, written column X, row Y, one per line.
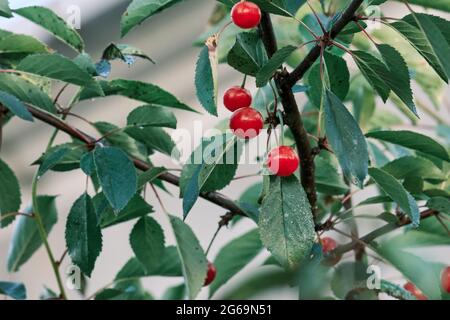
column 168, row 39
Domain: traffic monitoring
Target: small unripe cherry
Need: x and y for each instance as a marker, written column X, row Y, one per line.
column 283, row 161
column 236, row 98
column 328, row 245
column 246, row 123
column 445, row 279
column 409, row 286
column 246, row 14
column 210, row 274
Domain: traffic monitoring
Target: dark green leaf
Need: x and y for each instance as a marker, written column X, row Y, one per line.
column 51, row 160
column 71, row 159
column 15, row 106
column 83, row 234
column 13, row 289
column 154, row 138
column 394, row 189
column 348, row 276
column 117, row 176
column 275, row 62
column 206, row 78
column 440, row 204
column 26, row 239
column 413, row 166
column 122, row 51
column 147, row 241
column 87, row 164
column 328, row 180
column 412, row 140
column 140, row 10
column 286, row 223
column 47, row 19
column 177, row 292
column 193, row 259
column 149, row 175
column 21, row 44
column 443, row 5
column 152, row 116
column 245, row 56
column 234, row 256
column 10, row 197
column 346, row 139
column 5, row 10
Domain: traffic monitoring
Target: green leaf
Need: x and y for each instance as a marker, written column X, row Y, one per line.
column 71, row 159
column 286, row 222
column 412, row 140
column 136, row 208
column 234, row 256
column 374, row 71
column 210, row 167
column 26, row 240
column 151, row 116
column 398, row 80
column 206, row 78
column 15, row 106
column 26, row 91
column 328, row 180
column 346, row 139
column 5, row 10
column 440, row 204
column 13, row 289
column 348, row 276
column 55, row 66
column 177, row 292
column 149, row 175
column 414, row 239
column 140, row 10
column 83, row 234
column 154, row 138
column 246, row 56
column 48, row 20
column 443, row 5
column 121, row 51
column 10, row 197
column 410, row 166
column 23, row 44
column 268, row 69
column 193, row 259
column 420, row 40
column 117, row 176
column 394, row 189
column 147, row 241
column 52, row 160
column 137, row 90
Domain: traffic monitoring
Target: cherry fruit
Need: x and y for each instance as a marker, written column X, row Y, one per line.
column 211, row 274
column 283, row 161
column 445, row 280
column 246, row 123
column 328, row 245
column 414, row 291
column 236, row 98
column 246, row 14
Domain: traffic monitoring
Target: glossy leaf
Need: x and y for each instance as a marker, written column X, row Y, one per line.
column 154, row 138
column 151, row 116
column 149, row 175
column 83, row 234
column 21, row 44
column 268, row 69
column 12, row 289
column 286, row 223
column 247, row 56
column 52, row 160
column 10, row 197
column 206, row 78
column 15, row 106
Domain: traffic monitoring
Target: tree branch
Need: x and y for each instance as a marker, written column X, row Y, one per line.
column 214, row 197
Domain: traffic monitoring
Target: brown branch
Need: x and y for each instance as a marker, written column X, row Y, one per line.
column 214, row 197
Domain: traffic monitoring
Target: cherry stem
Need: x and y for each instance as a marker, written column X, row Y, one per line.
column 317, row 17
column 244, row 81
column 60, row 92
column 213, row 239
column 340, row 46
column 14, row 214
column 365, row 32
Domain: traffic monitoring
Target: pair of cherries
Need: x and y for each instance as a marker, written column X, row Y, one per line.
column 247, row 123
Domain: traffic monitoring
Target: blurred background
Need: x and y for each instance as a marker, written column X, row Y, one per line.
column 167, row 38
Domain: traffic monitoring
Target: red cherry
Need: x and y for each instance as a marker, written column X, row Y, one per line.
column 211, row 274
column 283, row 161
column 236, row 98
column 246, row 123
column 246, row 14
column 414, row 291
column 445, row 280
column 328, row 245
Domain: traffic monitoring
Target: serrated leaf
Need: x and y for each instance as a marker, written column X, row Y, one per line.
column 83, row 234
column 149, row 175
column 5, row 10
column 137, row 90
column 443, row 5
column 412, row 140
column 374, row 71
column 14, row 290
column 122, row 51
column 119, row 186
column 275, row 62
column 394, row 189
column 52, row 160
column 15, row 106
column 20, row 43
column 151, row 116
column 140, row 10
column 245, row 56
column 286, row 223
column 48, row 20
column 26, row 240
column 328, row 180
column 26, row 91
column 234, row 256
column 193, row 259
column 147, row 241
column 10, row 197
column 206, row 78
column 399, row 80
column 154, row 138
column 70, row 161
column 346, row 139
column 410, row 166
